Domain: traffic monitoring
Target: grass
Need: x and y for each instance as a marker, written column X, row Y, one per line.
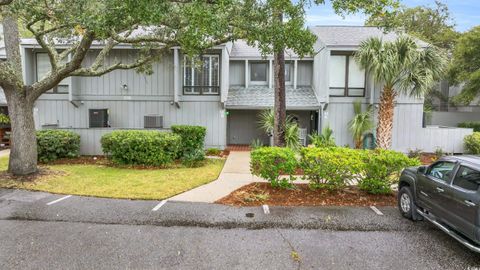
column 111, row 182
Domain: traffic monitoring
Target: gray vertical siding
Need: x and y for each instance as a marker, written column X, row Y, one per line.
column 304, row 73
column 237, row 73
column 129, row 114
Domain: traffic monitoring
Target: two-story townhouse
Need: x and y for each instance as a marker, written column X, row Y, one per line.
column 226, row 92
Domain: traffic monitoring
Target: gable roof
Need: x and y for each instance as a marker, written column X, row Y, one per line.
column 352, row 36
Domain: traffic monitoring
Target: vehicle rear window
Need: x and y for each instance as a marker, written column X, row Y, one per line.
column 467, row 178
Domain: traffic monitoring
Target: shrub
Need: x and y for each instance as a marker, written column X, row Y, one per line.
column 54, row 144
column 472, row 143
column 271, row 162
column 414, row 153
column 213, row 152
column 380, row 169
column 331, row 168
column 193, row 158
column 256, row 143
column 192, row 138
column 474, row 125
column 325, row 139
column 141, row 147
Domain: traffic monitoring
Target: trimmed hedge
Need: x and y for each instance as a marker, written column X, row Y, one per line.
column 141, row 147
column 53, row 144
column 472, row 143
column 474, row 125
column 193, row 137
column 381, row 168
column 331, row 167
column 271, row 162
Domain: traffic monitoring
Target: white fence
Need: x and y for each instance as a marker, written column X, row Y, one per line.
column 428, row 139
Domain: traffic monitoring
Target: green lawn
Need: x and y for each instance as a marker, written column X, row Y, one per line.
column 111, row 182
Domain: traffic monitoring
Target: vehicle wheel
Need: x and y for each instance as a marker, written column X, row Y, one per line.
column 405, row 203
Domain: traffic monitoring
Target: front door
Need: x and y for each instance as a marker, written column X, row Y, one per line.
column 433, row 186
column 465, row 200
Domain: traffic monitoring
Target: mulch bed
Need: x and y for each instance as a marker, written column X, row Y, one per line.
column 257, row 194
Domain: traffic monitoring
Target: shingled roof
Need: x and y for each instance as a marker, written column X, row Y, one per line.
column 261, row 97
column 353, row 35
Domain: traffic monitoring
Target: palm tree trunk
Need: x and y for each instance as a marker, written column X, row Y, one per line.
column 385, row 118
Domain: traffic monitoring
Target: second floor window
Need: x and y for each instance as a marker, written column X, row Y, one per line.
column 201, row 75
column 43, row 67
column 347, row 79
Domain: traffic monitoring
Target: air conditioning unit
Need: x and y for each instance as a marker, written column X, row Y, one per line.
column 153, row 121
column 98, row 118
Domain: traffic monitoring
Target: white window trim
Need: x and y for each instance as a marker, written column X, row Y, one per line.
column 210, row 56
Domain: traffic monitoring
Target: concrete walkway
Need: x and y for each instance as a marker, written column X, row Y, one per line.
column 235, row 174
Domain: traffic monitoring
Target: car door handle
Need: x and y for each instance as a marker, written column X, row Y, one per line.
column 439, row 189
column 469, row 203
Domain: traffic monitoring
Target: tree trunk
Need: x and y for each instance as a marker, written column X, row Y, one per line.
column 280, row 103
column 23, row 148
column 385, row 118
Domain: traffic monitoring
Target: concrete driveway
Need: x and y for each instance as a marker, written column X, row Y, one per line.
column 45, row 231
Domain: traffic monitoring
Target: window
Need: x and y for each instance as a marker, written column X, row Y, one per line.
column 258, row 72
column 467, row 178
column 441, row 170
column 346, row 76
column 288, row 73
column 201, row 75
column 43, row 68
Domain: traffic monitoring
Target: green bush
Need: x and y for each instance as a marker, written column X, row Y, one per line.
column 192, row 138
column 331, row 167
column 54, row 144
column 272, row 162
column 141, row 147
column 472, row 143
column 381, row 168
column 474, row 125
column 194, row 158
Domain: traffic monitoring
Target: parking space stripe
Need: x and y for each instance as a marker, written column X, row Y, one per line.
column 159, row 205
column 59, row 200
column 375, row 209
column 266, row 210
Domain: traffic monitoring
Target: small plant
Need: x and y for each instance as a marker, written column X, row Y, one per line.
column 325, row 139
column 194, row 158
column 439, row 152
column 414, row 153
column 4, row 119
column 213, row 152
column 271, row 163
column 361, row 123
column 266, row 123
column 256, row 197
column 472, row 143
column 255, row 144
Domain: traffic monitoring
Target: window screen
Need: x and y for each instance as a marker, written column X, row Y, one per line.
column 346, row 78
column 43, row 68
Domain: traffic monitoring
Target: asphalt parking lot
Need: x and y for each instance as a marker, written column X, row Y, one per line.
column 46, row 231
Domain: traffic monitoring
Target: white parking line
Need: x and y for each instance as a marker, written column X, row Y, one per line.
column 159, row 205
column 375, row 209
column 59, row 200
column 266, row 210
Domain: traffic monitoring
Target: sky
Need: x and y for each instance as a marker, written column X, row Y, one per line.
column 464, row 12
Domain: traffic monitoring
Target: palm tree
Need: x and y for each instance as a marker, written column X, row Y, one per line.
column 361, row 123
column 403, row 68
